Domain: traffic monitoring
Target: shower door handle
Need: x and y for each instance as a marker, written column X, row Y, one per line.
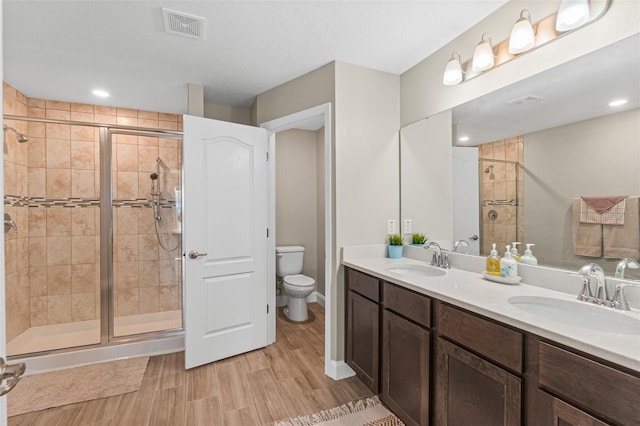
column 12, row 373
column 194, row 254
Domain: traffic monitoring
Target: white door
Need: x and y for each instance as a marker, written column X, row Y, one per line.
column 466, row 201
column 225, row 239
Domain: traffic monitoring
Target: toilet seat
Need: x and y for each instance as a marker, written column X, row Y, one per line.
column 299, row 280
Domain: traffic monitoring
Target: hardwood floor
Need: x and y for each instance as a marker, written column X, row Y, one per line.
column 280, row 381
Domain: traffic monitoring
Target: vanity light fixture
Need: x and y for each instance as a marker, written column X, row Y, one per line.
column 453, row 71
column 617, row 102
column 100, row 93
column 522, row 37
column 483, row 58
column 572, row 14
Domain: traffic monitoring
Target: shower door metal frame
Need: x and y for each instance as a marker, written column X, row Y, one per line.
column 106, row 231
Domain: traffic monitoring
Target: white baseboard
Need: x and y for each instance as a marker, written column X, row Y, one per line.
column 316, row 297
column 338, row 370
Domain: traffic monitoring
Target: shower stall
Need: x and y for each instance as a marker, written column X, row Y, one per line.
column 92, row 200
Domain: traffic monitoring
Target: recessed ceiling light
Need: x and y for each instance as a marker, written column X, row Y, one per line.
column 100, row 93
column 617, row 102
column 464, row 139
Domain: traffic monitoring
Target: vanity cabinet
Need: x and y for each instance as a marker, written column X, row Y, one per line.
column 434, row 363
column 406, row 349
column 363, row 327
column 473, row 384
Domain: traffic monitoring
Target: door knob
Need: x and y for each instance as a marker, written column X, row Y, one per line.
column 194, row 254
column 473, row 238
column 12, row 374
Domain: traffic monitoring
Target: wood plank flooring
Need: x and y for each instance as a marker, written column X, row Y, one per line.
column 283, row 380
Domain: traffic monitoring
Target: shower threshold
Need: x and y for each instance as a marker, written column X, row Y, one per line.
column 82, row 333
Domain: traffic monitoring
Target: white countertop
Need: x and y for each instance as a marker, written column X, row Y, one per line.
column 469, row 290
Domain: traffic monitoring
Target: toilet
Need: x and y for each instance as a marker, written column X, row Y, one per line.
column 297, row 286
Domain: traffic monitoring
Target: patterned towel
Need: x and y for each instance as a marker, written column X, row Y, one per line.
column 594, row 212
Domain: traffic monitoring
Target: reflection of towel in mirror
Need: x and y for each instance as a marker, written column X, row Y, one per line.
column 622, row 241
column 605, row 210
column 587, row 237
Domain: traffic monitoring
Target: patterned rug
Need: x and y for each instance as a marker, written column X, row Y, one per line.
column 365, row 412
column 68, row 386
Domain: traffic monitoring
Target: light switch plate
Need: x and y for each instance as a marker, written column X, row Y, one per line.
column 391, row 226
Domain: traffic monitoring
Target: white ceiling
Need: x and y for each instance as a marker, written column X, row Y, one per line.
column 63, row 49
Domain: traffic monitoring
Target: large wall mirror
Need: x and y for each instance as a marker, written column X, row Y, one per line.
column 539, row 145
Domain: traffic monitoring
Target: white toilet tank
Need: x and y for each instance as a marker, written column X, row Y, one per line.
column 289, row 260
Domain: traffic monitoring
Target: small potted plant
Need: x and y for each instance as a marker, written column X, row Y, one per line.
column 395, row 242
column 418, row 239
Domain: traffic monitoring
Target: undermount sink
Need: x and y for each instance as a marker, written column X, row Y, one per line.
column 416, row 271
column 578, row 314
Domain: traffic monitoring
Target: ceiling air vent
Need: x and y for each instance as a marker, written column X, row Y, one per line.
column 183, row 24
column 525, row 100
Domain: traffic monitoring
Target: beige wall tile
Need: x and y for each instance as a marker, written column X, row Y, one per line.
column 86, row 117
column 22, row 180
column 99, row 109
column 66, row 106
column 126, row 185
column 37, row 251
column 35, row 102
column 82, row 250
column 59, row 309
column 77, row 107
column 58, row 221
column 104, row 118
column 58, row 153
column 38, row 281
column 125, row 112
column 58, row 131
column 147, row 247
column 145, row 221
column 37, row 182
column 149, row 115
column 83, row 221
column 127, row 157
column 127, row 121
column 126, row 248
column 83, row 278
column 36, row 130
column 149, row 299
column 167, row 272
column 143, row 122
column 147, row 156
column 83, row 306
column 58, row 280
column 147, row 141
column 127, row 221
column 58, row 183
column 58, row 251
column 84, row 133
column 57, row 114
column 37, row 152
column 170, row 298
column 83, row 155
column 148, row 273
column 125, row 275
column 168, row 117
column 82, row 184
column 126, row 302
column 37, row 112
column 10, row 256
column 10, row 187
column 38, row 311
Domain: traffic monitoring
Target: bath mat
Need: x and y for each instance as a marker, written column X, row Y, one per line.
column 282, row 316
column 365, row 412
column 78, row 384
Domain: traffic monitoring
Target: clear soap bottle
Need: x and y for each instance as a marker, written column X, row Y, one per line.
column 514, row 251
column 493, row 262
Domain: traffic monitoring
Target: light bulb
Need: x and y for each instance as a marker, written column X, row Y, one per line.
column 522, row 36
column 483, row 56
column 572, row 14
column 453, row 71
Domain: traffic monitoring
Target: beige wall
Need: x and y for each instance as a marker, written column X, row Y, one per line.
column 227, row 113
column 320, row 216
column 367, row 168
column 296, row 198
column 594, row 157
column 423, row 93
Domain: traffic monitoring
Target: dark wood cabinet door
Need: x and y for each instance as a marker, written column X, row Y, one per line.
column 363, row 339
column 405, row 369
column 555, row 412
column 472, row 391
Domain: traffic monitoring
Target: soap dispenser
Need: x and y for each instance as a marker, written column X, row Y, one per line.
column 508, row 265
column 528, row 257
column 493, row 262
column 514, row 251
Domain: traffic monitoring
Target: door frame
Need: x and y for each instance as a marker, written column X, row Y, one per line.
column 281, row 124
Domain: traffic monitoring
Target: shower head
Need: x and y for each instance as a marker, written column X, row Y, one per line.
column 20, row 136
column 489, row 169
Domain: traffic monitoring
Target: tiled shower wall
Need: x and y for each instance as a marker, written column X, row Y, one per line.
column 53, row 263
column 506, row 184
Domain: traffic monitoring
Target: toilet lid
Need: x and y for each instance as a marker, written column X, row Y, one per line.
column 299, row 280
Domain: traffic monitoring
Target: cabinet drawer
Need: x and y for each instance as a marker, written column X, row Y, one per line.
column 596, row 387
column 497, row 343
column 410, row 305
column 363, row 284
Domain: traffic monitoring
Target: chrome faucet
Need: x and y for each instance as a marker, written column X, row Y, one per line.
column 601, row 296
column 439, row 258
column 619, row 301
column 462, row 243
column 622, row 266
